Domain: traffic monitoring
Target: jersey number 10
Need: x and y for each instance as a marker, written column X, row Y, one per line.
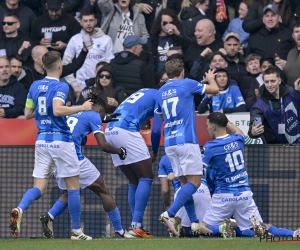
column 232, row 160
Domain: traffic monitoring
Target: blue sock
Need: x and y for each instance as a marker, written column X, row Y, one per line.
column 190, row 209
column 115, row 218
column 58, row 207
column 244, row 233
column 280, row 231
column 29, row 197
column 74, row 208
column 215, row 230
column 131, row 196
column 141, row 199
column 184, row 194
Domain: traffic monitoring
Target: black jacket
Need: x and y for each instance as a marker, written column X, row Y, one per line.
column 131, row 72
column 13, row 98
column 26, row 15
column 268, row 42
column 13, row 44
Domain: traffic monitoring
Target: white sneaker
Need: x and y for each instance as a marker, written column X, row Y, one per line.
column 80, row 236
column 199, row 228
column 15, row 222
column 124, row 235
column 227, row 230
column 172, row 223
column 297, row 233
column 258, row 229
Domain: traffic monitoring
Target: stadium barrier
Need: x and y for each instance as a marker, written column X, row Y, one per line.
column 273, row 171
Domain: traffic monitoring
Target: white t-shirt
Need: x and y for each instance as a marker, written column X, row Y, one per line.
column 125, row 29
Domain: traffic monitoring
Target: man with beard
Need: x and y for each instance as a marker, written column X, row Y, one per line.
column 62, row 26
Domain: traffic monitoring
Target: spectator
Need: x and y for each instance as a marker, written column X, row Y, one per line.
column 22, row 74
column 107, row 90
column 102, row 49
column 253, row 93
column 277, row 108
column 14, row 42
column 122, row 19
column 232, row 50
column 62, row 26
column 94, row 5
column 253, row 70
column 229, row 100
column 26, row 15
column 189, row 17
column 254, row 19
column 12, row 93
column 164, row 35
column 292, row 66
column 129, row 71
column 235, row 25
column 205, row 38
column 273, row 38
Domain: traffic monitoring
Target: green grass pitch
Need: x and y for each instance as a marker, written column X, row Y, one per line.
column 146, row 244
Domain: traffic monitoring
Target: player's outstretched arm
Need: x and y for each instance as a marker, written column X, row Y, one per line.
column 59, row 109
column 234, row 129
column 212, row 88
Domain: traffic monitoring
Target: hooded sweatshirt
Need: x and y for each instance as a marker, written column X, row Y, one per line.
column 230, row 99
column 13, row 98
column 102, row 50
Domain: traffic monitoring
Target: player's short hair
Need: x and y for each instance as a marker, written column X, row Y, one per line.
column 174, row 67
column 87, row 12
column 218, row 118
column 12, row 14
column 96, row 99
column 252, row 57
column 271, row 71
column 49, row 60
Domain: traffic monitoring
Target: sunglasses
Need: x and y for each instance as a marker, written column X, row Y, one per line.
column 8, row 23
column 165, row 23
column 106, row 76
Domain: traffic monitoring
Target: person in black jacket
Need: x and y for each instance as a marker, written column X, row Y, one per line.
column 13, row 41
column 164, row 35
column 62, row 25
column 12, row 93
column 129, row 70
column 26, row 15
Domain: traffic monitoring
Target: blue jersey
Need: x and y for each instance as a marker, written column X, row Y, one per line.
column 228, row 98
column 40, row 97
column 165, row 168
column 225, row 155
column 136, row 109
column 82, row 124
column 175, row 101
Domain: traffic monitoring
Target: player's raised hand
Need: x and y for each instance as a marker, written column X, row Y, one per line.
column 111, row 118
column 123, row 153
column 209, row 76
column 87, row 106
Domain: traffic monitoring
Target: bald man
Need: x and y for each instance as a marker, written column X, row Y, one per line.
column 38, row 72
column 12, row 93
column 205, row 38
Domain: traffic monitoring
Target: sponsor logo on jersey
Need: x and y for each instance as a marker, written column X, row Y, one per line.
column 174, row 123
column 169, row 93
column 60, row 94
column 43, row 88
column 231, row 146
column 47, row 121
column 234, row 199
column 173, row 135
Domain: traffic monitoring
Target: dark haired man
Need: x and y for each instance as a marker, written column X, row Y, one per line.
column 275, row 115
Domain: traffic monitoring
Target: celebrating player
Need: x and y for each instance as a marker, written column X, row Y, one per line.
column 176, row 104
column 54, row 148
column 82, row 124
column 137, row 167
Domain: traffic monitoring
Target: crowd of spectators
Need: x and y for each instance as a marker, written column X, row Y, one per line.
column 241, row 42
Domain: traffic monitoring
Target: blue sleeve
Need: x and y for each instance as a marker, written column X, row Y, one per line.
column 157, row 108
column 162, row 171
column 196, row 87
column 210, row 179
column 156, row 132
column 207, row 155
column 95, row 123
column 238, row 98
column 62, row 92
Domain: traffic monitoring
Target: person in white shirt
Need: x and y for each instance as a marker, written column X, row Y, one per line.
column 101, row 50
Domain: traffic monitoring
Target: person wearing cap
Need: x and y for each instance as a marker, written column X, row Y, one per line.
column 229, row 100
column 233, row 51
column 273, row 39
column 235, row 25
column 62, row 26
column 122, row 18
column 26, row 15
column 101, row 49
column 130, row 71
